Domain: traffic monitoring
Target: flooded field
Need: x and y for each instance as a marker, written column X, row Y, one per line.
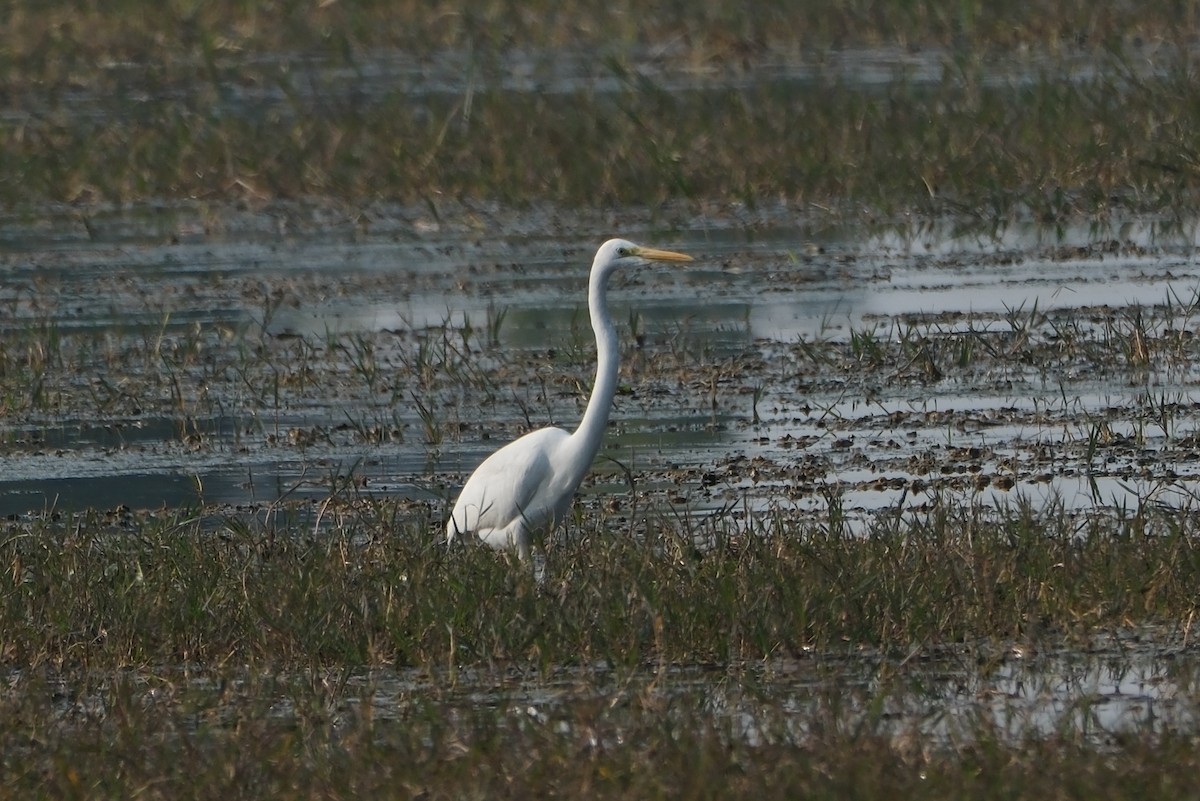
column 818, row 373
column 900, row 488
column 890, row 368
column 1115, row 688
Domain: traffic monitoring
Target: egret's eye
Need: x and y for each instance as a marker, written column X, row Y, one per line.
column 622, row 251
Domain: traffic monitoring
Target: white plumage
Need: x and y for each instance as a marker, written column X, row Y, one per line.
column 527, row 486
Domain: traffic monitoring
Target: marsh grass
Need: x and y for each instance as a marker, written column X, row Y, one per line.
column 964, row 144
column 198, row 656
column 318, row 739
column 1053, row 151
column 214, row 653
column 58, row 39
column 177, row 588
column 200, row 652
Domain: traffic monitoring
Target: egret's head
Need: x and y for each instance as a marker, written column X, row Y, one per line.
column 620, row 252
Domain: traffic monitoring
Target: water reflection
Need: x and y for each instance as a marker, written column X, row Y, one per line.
column 766, row 292
column 1136, row 684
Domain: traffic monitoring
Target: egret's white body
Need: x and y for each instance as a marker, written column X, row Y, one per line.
column 527, row 486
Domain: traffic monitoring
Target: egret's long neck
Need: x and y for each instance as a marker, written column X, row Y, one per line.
column 591, row 429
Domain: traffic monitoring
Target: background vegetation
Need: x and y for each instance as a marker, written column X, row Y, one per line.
column 1049, row 109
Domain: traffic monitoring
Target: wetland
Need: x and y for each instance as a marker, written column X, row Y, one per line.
column 899, row 489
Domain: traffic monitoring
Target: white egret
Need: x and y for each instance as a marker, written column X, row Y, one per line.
column 527, row 486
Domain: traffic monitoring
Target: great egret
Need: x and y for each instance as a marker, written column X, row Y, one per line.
column 526, row 487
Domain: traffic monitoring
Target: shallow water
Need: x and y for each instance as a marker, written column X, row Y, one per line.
column 879, row 441
column 1120, row 685
column 740, row 398
column 1129, row 683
